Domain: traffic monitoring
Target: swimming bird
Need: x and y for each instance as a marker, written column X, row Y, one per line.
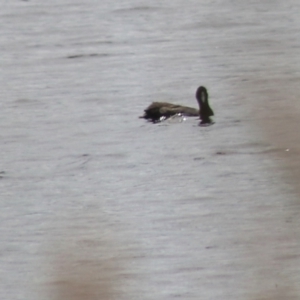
column 157, row 110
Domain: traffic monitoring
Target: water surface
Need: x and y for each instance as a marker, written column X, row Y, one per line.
column 162, row 211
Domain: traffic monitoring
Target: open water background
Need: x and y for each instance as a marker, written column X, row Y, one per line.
column 98, row 204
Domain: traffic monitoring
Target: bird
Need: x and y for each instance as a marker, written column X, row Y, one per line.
column 158, row 110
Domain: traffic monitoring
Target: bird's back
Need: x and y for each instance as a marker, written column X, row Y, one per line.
column 157, row 110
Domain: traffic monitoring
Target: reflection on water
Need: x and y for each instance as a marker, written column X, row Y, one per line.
column 97, row 203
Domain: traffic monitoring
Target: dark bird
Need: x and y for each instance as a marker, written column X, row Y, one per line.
column 157, row 110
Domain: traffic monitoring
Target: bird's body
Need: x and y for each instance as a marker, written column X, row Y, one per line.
column 155, row 111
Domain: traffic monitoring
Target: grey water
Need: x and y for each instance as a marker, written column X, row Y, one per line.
column 176, row 210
